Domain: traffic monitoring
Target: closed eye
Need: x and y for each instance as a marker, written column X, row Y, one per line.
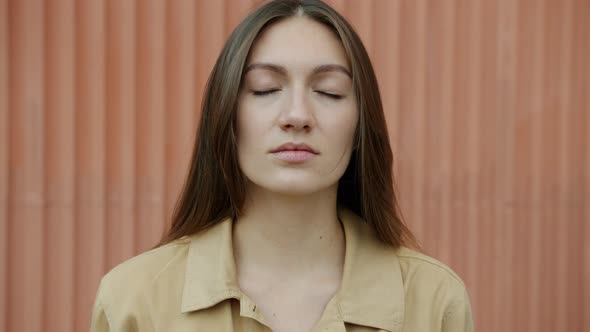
column 264, row 93
column 330, row 95
column 271, row 91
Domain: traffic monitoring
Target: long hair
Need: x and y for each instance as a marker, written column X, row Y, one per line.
column 215, row 187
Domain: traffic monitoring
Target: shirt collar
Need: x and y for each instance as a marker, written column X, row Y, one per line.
column 371, row 293
column 210, row 275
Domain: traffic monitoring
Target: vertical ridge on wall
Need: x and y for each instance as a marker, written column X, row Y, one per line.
column 536, row 170
column 59, row 243
column 458, row 149
column 181, row 61
column 564, row 156
column 537, row 76
column 339, row 5
column 234, row 12
column 503, row 209
column 120, row 130
column 387, row 57
column 464, row 150
column 4, row 162
column 25, row 237
column 585, row 106
column 473, row 105
column 361, row 14
column 439, row 117
column 151, row 122
column 210, row 36
column 90, row 146
column 583, row 89
column 528, row 66
column 413, row 27
column 549, row 163
column 487, row 173
column 574, row 202
column 387, row 18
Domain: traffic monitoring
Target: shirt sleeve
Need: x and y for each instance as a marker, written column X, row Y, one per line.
column 108, row 315
column 459, row 318
column 100, row 322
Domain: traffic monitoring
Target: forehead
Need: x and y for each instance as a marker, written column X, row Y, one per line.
column 298, row 43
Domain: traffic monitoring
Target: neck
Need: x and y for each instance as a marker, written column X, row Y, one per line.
column 286, row 235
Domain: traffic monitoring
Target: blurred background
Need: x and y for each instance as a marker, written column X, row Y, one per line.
column 487, row 102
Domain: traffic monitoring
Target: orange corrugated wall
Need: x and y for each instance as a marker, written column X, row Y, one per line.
column 487, row 102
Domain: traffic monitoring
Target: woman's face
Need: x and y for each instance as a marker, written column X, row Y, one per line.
column 296, row 89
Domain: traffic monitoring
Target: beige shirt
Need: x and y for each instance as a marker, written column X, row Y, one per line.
column 191, row 285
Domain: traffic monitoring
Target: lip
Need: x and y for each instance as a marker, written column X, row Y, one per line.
column 294, row 156
column 294, row 147
column 294, row 152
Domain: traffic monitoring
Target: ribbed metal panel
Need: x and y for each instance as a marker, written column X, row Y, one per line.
column 487, row 102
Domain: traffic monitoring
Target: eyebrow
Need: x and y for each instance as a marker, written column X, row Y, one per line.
column 283, row 71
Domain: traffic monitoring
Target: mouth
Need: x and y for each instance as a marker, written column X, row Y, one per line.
column 294, row 156
column 294, row 152
column 294, row 147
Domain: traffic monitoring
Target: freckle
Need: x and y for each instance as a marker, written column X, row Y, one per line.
column 320, row 237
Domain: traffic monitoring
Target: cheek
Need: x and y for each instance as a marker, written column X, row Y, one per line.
column 249, row 126
column 243, row 125
column 342, row 127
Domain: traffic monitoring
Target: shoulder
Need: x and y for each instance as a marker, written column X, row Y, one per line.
column 427, row 280
column 148, row 267
column 416, row 264
column 132, row 288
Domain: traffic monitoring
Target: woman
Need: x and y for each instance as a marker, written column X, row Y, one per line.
column 288, row 218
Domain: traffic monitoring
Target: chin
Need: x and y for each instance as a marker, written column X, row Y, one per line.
column 295, row 187
column 296, row 191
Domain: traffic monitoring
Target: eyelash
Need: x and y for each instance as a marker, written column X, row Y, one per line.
column 268, row 92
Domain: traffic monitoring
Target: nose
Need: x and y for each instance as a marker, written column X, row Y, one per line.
column 298, row 115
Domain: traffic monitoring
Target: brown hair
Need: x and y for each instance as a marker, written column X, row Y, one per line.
column 215, row 187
